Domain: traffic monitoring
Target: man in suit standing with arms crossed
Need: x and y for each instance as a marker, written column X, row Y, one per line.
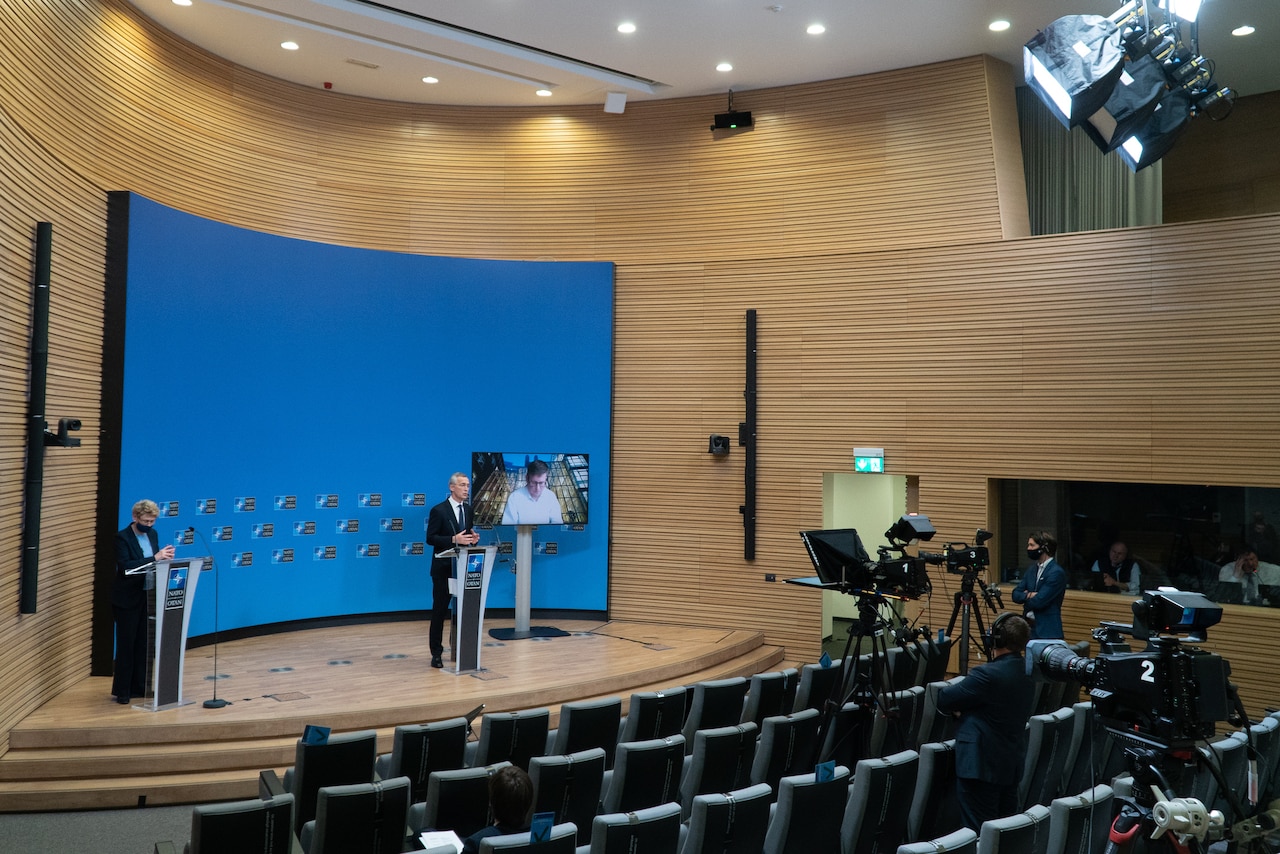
column 993, row 704
column 448, row 526
column 136, row 545
column 1042, row 587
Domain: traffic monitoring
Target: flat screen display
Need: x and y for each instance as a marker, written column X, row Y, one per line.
column 529, row 488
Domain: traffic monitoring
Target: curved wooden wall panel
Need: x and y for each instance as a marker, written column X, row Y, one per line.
column 838, row 161
column 1087, row 357
column 862, row 218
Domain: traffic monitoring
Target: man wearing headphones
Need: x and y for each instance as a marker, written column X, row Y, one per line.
column 993, row 704
column 1042, row 587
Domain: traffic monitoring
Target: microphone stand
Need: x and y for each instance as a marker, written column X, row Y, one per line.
column 214, row 703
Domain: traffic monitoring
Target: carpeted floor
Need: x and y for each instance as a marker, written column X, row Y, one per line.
column 132, row 831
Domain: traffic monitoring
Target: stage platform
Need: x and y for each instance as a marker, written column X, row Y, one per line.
column 82, row 750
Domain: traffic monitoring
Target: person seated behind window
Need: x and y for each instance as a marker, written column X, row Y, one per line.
column 1251, row 574
column 1118, row 572
column 510, row 801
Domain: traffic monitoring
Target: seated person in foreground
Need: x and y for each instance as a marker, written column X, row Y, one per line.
column 510, row 800
column 1251, row 574
column 1118, row 572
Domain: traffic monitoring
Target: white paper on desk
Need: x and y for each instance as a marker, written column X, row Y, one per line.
column 435, row 838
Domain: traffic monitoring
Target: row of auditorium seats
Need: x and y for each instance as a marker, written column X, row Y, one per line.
column 581, row 770
column 860, row 813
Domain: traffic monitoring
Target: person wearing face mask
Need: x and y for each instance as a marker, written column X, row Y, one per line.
column 1042, row 587
column 136, row 545
column 534, row 503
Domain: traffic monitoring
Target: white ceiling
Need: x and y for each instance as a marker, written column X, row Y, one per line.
column 498, row 52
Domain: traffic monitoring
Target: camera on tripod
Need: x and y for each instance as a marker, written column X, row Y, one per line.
column 843, row 563
column 1167, row 695
column 962, row 558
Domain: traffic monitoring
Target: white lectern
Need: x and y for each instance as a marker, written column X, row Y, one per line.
column 470, row 587
column 175, row 590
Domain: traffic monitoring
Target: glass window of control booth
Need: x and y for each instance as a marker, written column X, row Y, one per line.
column 1219, row 540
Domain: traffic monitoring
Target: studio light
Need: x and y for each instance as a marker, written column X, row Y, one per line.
column 1073, row 64
column 1135, row 98
column 1157, row 136
column 1187, row 10
column 1131, row 85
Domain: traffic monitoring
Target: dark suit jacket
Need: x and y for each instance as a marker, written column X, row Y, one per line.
column 995, row 701
column 441, row 526
column 1046, row 606
column 128, row 591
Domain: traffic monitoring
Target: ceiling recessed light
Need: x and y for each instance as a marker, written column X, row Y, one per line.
column 626, row 27
column 816, row 29
column 998, row 26
column 182, row 2
column 1242, row 31
column 543, row 93
column 430, row 79
column 724, row 66
column 289, row 45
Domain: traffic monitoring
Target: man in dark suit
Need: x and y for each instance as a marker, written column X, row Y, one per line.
column 1042, row 587
column 993, row 704
column 136, row 545
column 448, row 526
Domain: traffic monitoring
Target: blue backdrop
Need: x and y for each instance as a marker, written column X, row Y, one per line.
column 302, row 405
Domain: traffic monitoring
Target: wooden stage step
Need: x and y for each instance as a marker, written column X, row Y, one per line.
column 81, row 750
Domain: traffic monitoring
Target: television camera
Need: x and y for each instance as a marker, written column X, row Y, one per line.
column 962, row 558
column 1167, row 695
column 842, row 561
column 965, row 560
column 1157, row 703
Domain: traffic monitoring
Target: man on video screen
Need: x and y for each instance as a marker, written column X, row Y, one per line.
column 533, row 503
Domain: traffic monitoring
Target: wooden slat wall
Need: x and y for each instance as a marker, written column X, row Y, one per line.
column 863, row 218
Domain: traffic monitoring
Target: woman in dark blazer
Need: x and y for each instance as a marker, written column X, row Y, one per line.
column 136, row 545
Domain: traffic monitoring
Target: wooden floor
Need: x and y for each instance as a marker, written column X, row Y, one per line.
column 82, row 750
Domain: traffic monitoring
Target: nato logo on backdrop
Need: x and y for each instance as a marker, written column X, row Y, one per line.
column 262, row 530
column 242, row 559
column 222, row 533
column 348, row 526
column 326, row 501
column 413, row 499
column 391, row 525
column 207, row 506
column 304, row 529
column 369, row 550
column 282, row 555
column 244, row 505
column 286, row 502
column 325, row 553
column 412, row 549
column 370, row 499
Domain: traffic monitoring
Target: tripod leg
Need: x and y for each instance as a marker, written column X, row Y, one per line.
column 982, row 634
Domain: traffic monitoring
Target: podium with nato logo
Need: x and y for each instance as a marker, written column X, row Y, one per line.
column 174, row 583
column 470, row 587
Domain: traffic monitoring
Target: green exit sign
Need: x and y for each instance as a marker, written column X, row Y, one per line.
column 868, row 460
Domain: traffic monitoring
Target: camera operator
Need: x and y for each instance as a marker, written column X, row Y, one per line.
column 993, row 704
column 1042, row 587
